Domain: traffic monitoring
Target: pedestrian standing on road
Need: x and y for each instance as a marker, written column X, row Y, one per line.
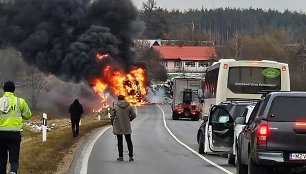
column 76, row 111
column 13, row 110
column 122, row 115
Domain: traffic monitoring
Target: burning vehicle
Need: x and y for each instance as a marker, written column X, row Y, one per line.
column 132, row 85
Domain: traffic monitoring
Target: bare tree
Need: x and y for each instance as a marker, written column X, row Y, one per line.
column 37, row 82
column 149, row 6
column 269, row 46
column 152, row 60
column 191, row 32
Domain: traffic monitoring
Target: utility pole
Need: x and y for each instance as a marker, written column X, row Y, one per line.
column 303, row 54
column 192, row 30
column 236, row 46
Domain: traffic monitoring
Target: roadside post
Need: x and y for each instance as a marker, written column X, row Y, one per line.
column 108, row 112
column 99, row 115
column 44, row 127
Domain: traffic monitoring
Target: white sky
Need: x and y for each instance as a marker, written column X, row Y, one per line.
column 280, row 5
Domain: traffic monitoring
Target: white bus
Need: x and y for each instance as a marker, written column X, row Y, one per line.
column 229, row 79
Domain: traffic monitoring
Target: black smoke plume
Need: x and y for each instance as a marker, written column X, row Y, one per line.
column 62, row 37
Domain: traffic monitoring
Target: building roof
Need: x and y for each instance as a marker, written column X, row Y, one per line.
column 184, row 53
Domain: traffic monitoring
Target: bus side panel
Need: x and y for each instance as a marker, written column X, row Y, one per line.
column 221, row 94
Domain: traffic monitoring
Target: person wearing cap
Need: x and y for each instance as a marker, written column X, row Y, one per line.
column 13, row 110
column 122, row 115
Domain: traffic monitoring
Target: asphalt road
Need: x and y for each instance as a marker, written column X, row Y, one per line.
column 161, row 146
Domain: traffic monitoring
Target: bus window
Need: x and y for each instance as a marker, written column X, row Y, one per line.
column 210, row 85
column 253, row 80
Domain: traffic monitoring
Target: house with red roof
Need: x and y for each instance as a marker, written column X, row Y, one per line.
column 190, row 59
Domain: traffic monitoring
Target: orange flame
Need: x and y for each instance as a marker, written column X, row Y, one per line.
column 132, row 85
column 99, row 86
column 102, row 56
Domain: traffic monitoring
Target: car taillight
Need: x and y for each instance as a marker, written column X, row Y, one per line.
column 262, row 133
column 300, row 124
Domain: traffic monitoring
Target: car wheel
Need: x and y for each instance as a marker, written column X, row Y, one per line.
column 240, row 168
column 254, row 168
column 201, row 143
column 195, row 118
column 174, row 117
column 288, row 170
column 231, row 159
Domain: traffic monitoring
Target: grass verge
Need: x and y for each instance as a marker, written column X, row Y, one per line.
column 56, row 154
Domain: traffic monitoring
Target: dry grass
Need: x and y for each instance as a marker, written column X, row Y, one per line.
column 57, row 152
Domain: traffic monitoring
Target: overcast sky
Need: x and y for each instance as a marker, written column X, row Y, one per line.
column 280, row 5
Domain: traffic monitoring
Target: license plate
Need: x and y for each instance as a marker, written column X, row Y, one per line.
column 297, row 156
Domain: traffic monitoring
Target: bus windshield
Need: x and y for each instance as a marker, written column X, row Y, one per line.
column 253, row 80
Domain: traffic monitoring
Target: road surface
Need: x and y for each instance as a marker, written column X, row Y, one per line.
column 161, row 146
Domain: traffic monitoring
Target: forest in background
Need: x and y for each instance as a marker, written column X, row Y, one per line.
column 252, row 34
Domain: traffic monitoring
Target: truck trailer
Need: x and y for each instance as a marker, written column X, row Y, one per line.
column 187, row 98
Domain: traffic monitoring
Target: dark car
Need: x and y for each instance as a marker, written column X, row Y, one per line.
column 233, row 108
column 274, row 138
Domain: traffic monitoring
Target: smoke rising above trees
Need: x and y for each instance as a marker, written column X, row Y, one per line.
column 62, row 37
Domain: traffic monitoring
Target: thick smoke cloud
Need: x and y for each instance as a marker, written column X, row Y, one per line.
column 62, row 37
column 61, row 94
column 54, row 97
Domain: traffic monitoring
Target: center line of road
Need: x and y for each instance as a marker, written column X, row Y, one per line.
column 189, row 148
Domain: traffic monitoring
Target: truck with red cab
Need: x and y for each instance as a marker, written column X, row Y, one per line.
column 187, row 98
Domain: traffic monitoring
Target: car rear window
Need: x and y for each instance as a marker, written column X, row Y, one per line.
column 237, row 110
column 288, row 109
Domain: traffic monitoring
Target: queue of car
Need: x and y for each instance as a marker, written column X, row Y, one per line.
column 213, row 130
column 267, row 136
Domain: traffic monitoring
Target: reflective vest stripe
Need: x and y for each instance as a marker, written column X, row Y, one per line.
column 26, row 112
column 18, row 105
column 10, row 115
column 17, row 114
column 10, row 128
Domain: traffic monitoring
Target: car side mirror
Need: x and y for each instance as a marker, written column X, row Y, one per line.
column 240, row 120
column 212, row 108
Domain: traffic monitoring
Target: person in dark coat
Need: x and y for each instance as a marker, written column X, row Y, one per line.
column 123, row 114
column 76, row 111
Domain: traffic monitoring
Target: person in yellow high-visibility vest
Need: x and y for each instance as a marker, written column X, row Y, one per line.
column 13, row 110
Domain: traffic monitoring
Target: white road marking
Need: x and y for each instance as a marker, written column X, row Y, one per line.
column 86, row 153
column 189, row 148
